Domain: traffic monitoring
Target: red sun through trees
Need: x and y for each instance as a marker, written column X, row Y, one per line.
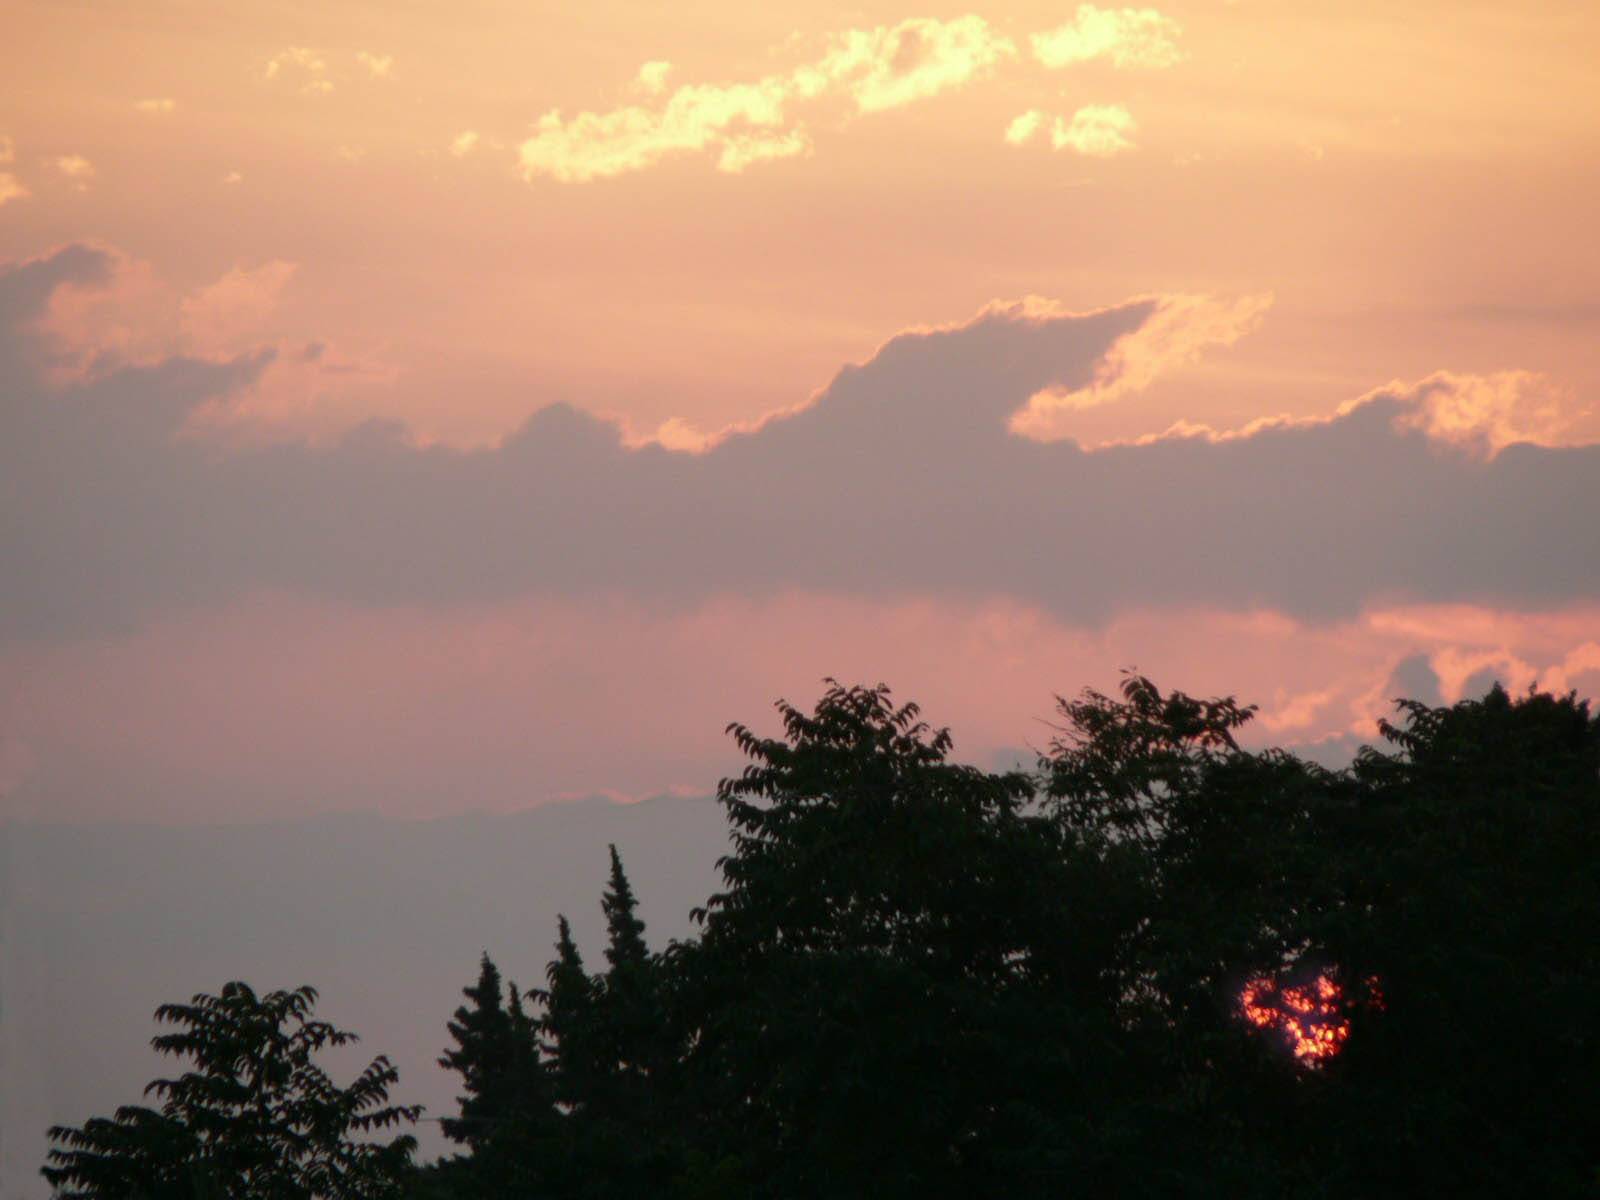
column 1309, row 1013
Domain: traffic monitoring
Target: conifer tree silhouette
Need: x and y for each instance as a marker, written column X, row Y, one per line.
column 496, row 1054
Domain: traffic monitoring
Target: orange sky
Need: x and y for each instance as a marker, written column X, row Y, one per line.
column 689, row 218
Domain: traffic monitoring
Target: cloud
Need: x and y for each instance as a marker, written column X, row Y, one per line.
column 1462, row 649
column 876, row 70
column 1297, row 711
column 157, row 107
column 223, row 313
column 1098, row 130
column 1579, row 670
column 10, row 187
column 233, row 177
column 463, row 143
column 76, row 168
column 901, row 477
column 740, row 152
column 892, row 66
column 99, row 312
column 1181, row 328
column 743, row 122
column 273, row 703
column 26, row 290
column 1127, row 37
column 302, row 58
column 652, row 77
column 315, row 70
column 1479, row 415
column 99, row 309
column 1024, row 126
column 1487, row 413
column 1414, row 678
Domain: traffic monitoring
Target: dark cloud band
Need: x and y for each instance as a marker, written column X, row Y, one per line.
column 900, row 477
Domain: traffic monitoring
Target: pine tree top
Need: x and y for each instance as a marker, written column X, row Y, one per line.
column 627, row 943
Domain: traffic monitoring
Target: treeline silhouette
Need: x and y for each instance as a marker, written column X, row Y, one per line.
column 1157, row 965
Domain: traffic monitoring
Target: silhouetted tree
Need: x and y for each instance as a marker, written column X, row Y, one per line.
column 903, row 989
column 623, row 925
column 253, row 1118
column 1217, row 848
column 567, row 1028
column 508, row 1120
column 923, row 979
column 603, row 1036
column 496, row 1054
column 1470, row 859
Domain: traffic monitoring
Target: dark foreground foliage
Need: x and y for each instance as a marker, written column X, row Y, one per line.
column 252, row 1118
column 922, row 979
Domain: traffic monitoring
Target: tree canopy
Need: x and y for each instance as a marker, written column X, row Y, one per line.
column 1159, row 964
column 253, row 1118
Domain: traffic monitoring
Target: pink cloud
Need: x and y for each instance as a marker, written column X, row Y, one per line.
column 221, row 315
column 121, row 310
column 899, row 477
column 127, row 311
column 280, row 704
column 1480, row 415
column 125, row 314
column 1486, row 413
column 1181, row 328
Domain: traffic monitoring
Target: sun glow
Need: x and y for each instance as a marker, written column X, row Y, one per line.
column 1309, row 1015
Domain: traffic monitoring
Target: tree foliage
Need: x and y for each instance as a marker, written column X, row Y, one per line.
column 253, row 1118
column 497, row 1056
column 1474, row 896
column 900, row 958
column 1160, row 964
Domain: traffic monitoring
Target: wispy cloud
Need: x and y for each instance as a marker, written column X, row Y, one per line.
column 1126, row 37
column 77, row 168
column 1024, row 126
column 652, row 77
column 743, row 122
column 892, row 66
column 463, row 143
column 316, row 70
column 875, row 70
column 1097, row 130
column 377, row 65
column 302, row 58
column 10, row 186
column 157, row 107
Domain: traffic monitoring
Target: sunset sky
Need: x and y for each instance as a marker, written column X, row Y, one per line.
column 424, row 407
